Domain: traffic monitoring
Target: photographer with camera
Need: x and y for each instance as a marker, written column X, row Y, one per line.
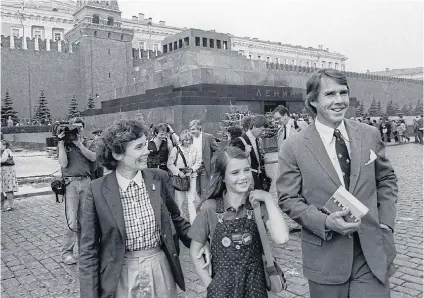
column 76, row 161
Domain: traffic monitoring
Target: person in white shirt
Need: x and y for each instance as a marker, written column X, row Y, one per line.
column 287, row 126
column 185, row 167
column 206, row 146
column 340, row 258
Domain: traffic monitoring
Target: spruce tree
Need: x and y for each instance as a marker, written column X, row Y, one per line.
column 42, row 114
column 396, row 109
column 379, row 110
column 91, row 104
column 405, row 111
column 360, row 109
column 419, row 107
column 73, row 108
column 410, row 110
column 232, row 118
column 7, row 110
column 372, row 111
column 389, row 109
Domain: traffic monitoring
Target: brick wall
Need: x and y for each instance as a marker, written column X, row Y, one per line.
column 26, row 72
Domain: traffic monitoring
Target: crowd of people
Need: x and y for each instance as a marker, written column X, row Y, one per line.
column 124, row 224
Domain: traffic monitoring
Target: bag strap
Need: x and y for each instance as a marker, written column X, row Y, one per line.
column 182, row 156
column 245, row 146
column 262, row 233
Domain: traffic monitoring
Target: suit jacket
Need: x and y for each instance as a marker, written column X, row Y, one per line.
column 102, row 247
column 255, row 163
column 209, row 146
column 307, row 179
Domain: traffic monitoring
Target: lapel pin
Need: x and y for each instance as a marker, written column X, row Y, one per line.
column 153, row 187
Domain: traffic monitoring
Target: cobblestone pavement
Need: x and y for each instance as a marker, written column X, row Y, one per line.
column 31, row 239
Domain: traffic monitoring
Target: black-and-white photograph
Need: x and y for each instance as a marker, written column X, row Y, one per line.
column 212, row 148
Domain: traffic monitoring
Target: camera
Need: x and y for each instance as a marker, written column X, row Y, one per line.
column 71, row 131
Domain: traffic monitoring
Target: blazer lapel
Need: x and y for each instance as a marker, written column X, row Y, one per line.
column 153, row 187
column 355, row 142
column 315, row 145
column 203, row 145
column 110, row 191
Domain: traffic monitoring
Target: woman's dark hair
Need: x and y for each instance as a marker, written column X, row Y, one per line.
column 160, row 127
column 234, row 132
column 115, row 139
column 216, row 185
column 246, row 122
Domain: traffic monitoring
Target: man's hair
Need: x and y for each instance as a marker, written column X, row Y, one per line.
column 195, row 122
column 282, row 110
column 259, row 121
column 115, row 139
column 78, row 120
column 313, row 85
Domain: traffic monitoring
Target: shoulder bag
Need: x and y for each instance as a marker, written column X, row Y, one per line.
column 9, row 162
column 274, row 276
column 180, row 184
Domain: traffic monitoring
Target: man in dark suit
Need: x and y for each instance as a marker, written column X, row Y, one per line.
column 130, row 225
column 206, row 145
column 340, row 259
column 249, row 142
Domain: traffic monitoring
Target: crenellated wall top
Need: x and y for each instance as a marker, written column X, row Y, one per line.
column 34, row 44
column 349, row 74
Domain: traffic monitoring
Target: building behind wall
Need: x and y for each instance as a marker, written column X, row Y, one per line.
column 53, row 19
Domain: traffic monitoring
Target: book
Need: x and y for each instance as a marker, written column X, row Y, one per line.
column 342, row 199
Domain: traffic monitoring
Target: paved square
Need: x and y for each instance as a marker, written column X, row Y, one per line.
column 31, row 240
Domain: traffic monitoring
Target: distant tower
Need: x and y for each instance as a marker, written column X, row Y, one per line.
column 105, row 48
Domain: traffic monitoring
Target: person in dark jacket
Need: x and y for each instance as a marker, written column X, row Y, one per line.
column 130, row 223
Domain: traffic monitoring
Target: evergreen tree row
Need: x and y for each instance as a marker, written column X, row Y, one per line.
column 42, row 114
column 392, row 109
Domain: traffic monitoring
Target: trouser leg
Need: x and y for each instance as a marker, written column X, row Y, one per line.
column 191, row 198
column 71, row 214
column 363, row 283
column 180, row 197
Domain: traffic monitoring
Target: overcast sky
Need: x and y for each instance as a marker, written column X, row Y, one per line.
column 372, row 34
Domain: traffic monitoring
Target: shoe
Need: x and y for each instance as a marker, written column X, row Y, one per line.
column 69, row 260
column 9, row 209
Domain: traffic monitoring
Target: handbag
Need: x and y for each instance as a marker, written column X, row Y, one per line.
column 180, row 184
column 59, row 188
column 274, row 276
column 265, row 180
column 9, row 161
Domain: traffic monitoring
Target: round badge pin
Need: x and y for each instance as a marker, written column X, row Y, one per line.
column 246, row 238
column 226, row 242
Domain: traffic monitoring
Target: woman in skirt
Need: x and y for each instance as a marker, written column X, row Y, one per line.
column 9, row 183
column 130, row 223
column 226, row 218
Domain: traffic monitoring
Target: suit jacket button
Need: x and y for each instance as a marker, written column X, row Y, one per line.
column 175, row 255
column 164, row 236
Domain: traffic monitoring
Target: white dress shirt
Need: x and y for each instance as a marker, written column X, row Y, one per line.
column 198, row 144
column 327, row 136
column 253, row 142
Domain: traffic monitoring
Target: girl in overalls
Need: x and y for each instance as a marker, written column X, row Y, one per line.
column 226, row 218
